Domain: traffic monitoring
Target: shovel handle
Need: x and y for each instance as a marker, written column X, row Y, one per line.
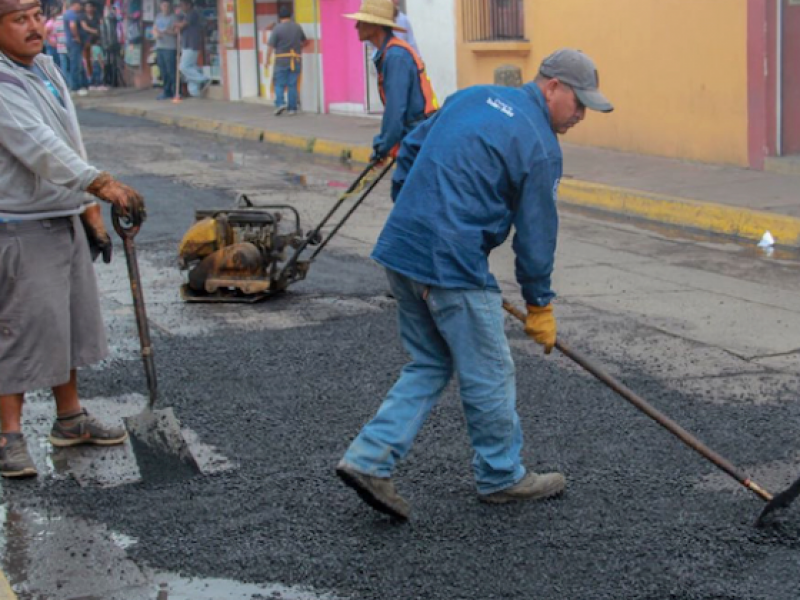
column 127, row 232
column 645, row 407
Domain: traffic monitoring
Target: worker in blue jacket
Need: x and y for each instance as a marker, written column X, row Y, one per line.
column 403, row 84
column 488, row 160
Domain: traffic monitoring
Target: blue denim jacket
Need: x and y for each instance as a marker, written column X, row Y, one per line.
column 405, row 104
column 485, row 161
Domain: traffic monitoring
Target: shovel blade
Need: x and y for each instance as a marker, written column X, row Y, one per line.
column 781, row 500
column 161, row 451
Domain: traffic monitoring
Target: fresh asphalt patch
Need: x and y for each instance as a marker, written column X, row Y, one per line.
column 284, row 404
column 280, row 389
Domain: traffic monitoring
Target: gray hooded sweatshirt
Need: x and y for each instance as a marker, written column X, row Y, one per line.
column 43, row 168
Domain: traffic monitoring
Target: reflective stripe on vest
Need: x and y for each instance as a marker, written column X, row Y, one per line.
column 431, row 103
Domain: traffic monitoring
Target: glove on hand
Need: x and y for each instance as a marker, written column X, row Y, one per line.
column 541, row 326
column 127, row 200
column 96, row 234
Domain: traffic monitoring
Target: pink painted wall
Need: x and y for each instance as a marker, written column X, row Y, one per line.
column 342, row 54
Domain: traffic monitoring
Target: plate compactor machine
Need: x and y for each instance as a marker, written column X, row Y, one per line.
column 248, row 253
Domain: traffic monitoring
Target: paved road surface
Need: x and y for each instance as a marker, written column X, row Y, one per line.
column 704, row 329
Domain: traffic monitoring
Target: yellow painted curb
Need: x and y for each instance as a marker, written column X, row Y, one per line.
column 707, row 216
column 6, row 593
column 285, row 139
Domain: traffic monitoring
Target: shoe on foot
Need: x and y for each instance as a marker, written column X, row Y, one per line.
column 204, row 87
column 531, row 487
column 83, row 428
column 83, row 92
column 279, row 111
column 378, row 492
column 291, row 113
column 15, row 462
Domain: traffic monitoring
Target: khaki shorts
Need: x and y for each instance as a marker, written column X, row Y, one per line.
column 50, row 321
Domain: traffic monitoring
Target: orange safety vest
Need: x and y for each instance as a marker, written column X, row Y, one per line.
column 431, row 103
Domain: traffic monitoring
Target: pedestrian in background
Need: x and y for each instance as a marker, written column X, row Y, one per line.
column 74, row 36
column 405, row 89
column 192, row 29
column 488, row 160
column 405, row 33
column 166, row 48
column 61, row 42
column 50, row 317
column 286, row 41
column 97, row 81
column 90, row 24
column 50, row 41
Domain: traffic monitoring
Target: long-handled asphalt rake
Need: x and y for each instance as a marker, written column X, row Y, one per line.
column 781, row 500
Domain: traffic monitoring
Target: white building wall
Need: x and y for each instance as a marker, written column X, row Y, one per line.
column 434, row 25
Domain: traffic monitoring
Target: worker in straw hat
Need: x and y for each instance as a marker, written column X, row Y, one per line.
column 404, row 87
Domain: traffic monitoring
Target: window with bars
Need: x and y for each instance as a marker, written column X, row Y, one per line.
column 493, row 20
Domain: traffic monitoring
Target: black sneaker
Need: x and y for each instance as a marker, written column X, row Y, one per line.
column 378, row 492
column 85, row 429
column 531, row 487
column 15, row 462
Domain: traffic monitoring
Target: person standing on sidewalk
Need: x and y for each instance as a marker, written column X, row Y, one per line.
column 50, row 320
column 405, row 89
column 489, row 159
column 286, row 41
column 61, row 43
column 75, row 39
column 192, row 29
column 90, row 26
column 166, row 48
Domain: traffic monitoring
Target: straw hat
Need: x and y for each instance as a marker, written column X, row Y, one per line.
column 378, row 12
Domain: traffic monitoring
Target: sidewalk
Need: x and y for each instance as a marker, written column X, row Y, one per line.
column 726, row 200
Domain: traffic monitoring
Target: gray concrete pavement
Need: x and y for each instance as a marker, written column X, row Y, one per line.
column 704, row 330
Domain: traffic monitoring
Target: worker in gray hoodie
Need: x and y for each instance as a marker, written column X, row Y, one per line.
column 50, row 227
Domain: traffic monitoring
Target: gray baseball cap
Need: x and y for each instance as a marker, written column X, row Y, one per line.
column 577, row 70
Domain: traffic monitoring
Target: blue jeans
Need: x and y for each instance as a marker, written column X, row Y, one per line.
column 284, row 78
column 194, row 76
column 97, row 74
column 77, row 78
column 166, row 60
column 448, row 331
column 63, row 64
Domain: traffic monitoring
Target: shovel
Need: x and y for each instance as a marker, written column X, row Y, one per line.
column 161, row 451
column 781, row 500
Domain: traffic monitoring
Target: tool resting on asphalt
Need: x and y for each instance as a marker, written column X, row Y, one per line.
column 781, row 500
column 156, row 435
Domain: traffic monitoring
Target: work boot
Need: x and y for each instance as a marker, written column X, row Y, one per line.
column 83, row 428
column 378, row 492
column 531, row 487
column 15, row 462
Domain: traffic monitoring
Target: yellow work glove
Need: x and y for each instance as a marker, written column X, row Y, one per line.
column 540, row 324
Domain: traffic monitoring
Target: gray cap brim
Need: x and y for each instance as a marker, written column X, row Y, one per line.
column 594, row 99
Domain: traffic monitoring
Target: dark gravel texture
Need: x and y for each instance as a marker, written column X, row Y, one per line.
column 286, row 403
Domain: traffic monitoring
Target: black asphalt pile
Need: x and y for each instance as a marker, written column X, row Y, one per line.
column 635, row 523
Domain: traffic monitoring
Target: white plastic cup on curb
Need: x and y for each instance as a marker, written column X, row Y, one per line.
column 767, row 241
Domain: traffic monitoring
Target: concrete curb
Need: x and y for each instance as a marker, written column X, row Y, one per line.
column 706, row 216
column 683, row 212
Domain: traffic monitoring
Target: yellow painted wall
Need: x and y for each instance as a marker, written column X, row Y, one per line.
column 676, row 71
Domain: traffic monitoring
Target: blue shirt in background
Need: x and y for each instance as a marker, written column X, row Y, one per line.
column 71, row 16
column 487, row 160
